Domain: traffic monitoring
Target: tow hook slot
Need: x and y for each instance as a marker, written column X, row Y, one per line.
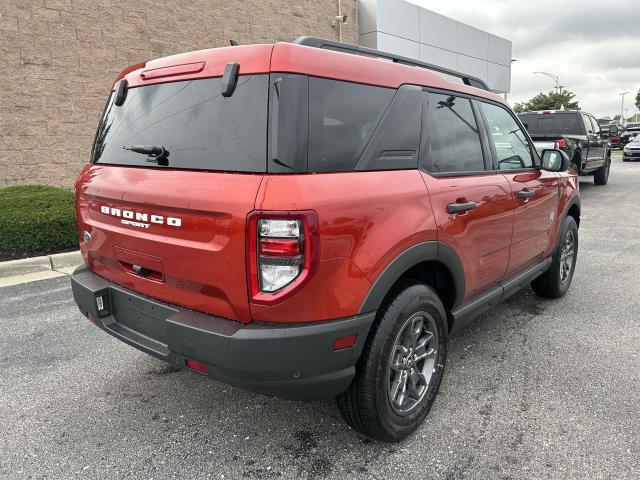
column 142, row 271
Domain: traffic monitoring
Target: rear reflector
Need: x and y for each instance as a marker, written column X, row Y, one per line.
column 341, row 343
column 197, row 366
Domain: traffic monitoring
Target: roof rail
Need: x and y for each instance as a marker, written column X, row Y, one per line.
column 355, row 49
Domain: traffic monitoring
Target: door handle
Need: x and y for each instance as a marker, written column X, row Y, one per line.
column 524, row 194
column 460, row 207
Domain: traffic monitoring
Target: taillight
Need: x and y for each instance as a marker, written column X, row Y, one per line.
column 282, row 253
column 560, row 143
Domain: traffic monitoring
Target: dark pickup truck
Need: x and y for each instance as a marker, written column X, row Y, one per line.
column 575, row 132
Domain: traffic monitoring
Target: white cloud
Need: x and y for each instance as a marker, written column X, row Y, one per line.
column 593, row 46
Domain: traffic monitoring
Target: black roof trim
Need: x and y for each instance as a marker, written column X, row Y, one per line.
column 355, row 49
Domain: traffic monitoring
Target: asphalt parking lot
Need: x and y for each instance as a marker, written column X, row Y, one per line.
column 534, row 389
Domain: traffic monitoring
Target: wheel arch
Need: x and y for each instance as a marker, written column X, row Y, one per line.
column 434, row 263
column 576, row 157
column 573, row 209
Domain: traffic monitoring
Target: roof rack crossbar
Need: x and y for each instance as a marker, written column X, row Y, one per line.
column 356, row 49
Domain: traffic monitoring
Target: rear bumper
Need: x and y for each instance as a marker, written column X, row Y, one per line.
column 295, row 362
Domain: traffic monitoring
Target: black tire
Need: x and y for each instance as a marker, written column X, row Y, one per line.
column 551, row 283
column 601, row 176
column 367, row 405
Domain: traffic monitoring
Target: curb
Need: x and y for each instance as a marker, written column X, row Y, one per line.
column 14, row 272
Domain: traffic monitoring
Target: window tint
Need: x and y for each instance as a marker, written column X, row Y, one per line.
column 342, row 118
column 511, row 144
column 199, row 127
column 453, row 138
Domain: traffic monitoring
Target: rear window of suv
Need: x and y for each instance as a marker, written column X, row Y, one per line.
column 551, row 124
column 199, row 127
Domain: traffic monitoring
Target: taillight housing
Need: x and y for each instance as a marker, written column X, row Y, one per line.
column 559, row 143
column 283, row 253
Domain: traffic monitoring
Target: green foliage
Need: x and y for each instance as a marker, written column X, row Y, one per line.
column 35, row 220
column 549, row 101
column 638, row 99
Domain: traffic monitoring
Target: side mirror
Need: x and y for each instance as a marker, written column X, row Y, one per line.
column 555, row 160
column 613, row 131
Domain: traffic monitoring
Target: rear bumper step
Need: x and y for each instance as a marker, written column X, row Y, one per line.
column 294, row 362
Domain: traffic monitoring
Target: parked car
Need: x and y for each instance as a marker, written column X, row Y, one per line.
column 631, row 150
column 612, row 133
column 576, row 133
column 630, row 131
column 312, row 223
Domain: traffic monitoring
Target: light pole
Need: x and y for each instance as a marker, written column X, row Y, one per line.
column 556, row 80
column 622, row 94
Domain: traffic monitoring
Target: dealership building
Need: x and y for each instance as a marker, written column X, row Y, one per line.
column 59, row 58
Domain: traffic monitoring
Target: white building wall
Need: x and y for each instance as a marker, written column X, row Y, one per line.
column 406, row 29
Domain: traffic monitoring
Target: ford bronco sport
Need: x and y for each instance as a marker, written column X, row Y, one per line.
column 312, row 220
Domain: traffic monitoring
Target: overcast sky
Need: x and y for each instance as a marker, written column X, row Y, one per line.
column 594, row 46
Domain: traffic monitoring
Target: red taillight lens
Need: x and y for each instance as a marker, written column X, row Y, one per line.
column 197, row 366
column 345, row 342
column 279, row 247
column 560, row 143
column 282, row 252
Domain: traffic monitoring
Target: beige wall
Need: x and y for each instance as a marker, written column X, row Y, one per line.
column 58, row 59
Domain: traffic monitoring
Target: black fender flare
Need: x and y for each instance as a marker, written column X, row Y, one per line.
column 576, row 152
column 414, row 255
column 574, row 201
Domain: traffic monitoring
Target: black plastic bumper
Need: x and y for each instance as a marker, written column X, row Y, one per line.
column 295, row 362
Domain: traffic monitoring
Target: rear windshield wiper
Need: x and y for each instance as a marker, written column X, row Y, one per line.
column 158, row 153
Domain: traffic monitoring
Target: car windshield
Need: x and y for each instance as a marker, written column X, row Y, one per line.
column 632, row 126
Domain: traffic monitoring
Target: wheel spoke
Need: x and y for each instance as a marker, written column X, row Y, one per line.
column 399, row 353
column 416, row 330
column 426, row 353
column 414, row 384
column 399, row 389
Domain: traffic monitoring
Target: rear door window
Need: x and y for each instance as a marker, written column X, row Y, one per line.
column 453, row 136
column 342, row 119
column 199, row 127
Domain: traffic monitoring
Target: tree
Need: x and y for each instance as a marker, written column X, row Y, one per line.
column 549, row 101
column 638, row 99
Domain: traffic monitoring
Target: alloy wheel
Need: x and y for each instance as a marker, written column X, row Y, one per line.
column 567, row 256
column 412, row 362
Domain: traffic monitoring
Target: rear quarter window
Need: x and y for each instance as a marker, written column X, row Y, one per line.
column 199, row 127
column 342, row 119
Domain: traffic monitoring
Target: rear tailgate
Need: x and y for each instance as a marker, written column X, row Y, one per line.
column 178, row 236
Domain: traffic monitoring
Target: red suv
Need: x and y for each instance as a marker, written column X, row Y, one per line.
column 313, row 220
